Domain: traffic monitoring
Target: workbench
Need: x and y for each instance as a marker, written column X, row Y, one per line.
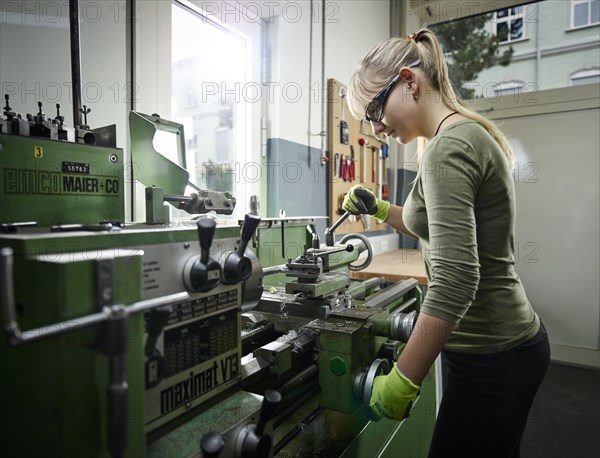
column 396, row 265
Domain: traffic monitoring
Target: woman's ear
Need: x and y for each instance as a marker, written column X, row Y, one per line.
column 408, row 77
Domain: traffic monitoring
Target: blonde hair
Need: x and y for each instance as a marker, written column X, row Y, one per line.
column 386, row 58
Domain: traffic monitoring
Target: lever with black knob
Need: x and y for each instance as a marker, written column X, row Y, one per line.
column 257, row 444
column 204, row 273
column 236, row 266
column 154, row 363
column 315, row 242
column 253, row 440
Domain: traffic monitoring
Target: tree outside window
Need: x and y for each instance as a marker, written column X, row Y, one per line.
column 470, row 49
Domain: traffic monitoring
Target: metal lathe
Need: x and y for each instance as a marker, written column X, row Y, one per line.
column 201, row 336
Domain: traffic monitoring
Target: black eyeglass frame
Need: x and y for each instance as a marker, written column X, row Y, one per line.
column 378, row 102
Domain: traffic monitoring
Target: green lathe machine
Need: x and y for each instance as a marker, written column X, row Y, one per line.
column 147, row 339
column 212, row 337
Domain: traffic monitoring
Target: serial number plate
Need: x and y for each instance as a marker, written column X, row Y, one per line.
column 76, row 167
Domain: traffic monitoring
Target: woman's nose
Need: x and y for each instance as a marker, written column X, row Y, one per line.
column 377, row 127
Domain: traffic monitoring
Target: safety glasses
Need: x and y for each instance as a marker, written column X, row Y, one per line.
column 374, row 111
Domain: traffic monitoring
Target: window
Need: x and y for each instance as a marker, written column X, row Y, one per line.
column 585, row 77
column 509, row 24
column 215, row 85
column 585, row 12
column 204, row 81
column 509, row 87
column 546, row 57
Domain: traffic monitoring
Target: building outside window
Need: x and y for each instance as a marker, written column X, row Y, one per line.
column 555, row 45
column 585, row 12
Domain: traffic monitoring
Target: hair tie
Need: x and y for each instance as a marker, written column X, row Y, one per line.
column 412, row 36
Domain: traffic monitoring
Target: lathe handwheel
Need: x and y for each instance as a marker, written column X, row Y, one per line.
column 378, row 367
column 365, row 240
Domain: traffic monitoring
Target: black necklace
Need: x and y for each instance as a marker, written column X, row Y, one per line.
column 442, row 122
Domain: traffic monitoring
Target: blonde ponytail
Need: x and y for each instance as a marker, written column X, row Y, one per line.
column 386, row 58
column 435, row 66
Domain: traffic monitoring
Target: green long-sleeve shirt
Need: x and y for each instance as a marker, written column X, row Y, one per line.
column 462, row 208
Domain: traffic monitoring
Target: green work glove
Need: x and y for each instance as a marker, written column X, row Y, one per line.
column 360, row 200
column 392, row 395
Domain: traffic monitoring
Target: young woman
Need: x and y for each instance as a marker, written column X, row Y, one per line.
column 462, row 210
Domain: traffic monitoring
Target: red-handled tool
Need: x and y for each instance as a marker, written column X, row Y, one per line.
column 344, row 169
column 385, row 192
column 351, row 171
column 373, row 164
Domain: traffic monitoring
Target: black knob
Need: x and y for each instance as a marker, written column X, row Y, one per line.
column 316, row 242
column 40, row 117
column 236, row 266
column 211, row 445
column 206, row 233
column 267, row 409
column 85, row 110
column 7, row 108
column 257, row 444
column 154, row 362
column 329, row 237
column 205, row 273
column 59, row 119
column 157, row 319
column 251, row 222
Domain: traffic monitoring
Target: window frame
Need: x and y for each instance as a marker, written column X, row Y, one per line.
column 589, row 22
column 521, row 15
column 509, row 88
column 152, row 54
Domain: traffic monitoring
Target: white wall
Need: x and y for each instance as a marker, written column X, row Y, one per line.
column 352, row 27
column 556, row 141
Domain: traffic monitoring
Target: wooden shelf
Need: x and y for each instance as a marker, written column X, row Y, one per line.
column 395, row 266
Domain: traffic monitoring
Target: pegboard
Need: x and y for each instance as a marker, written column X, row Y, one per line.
column 366, row 162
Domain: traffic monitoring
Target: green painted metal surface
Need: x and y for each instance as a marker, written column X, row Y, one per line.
column 407, row 439
column 268, row 249
column 185, row 440
column 330, row 283
column 351, row 342
column 149, row 166
column 132, row 238
column 59, row 385
column 335, row 434
column 338, row 366
column 57, row 182
column 54, row 390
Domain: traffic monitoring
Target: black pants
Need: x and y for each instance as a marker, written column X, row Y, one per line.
column 487, row 399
